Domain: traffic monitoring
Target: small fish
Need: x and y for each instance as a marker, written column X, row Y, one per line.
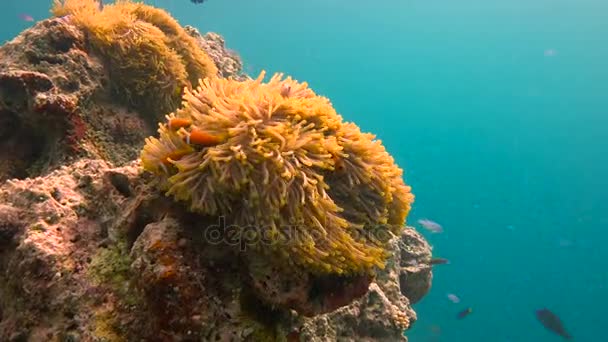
column 453, row 298
column 439, row 261
column 552, row 323
column 177, row 123
column 431, row 226
column 26, row 17
column 464, row 313
column 199, row 137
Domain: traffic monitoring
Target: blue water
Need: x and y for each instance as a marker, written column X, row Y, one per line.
column 497, row 111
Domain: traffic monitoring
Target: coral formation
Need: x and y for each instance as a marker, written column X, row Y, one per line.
column 277, row 162
column 228, row 62
column 307, row 294
column 137, row 267
column 43, row 76
column 149, row 55
column 385, row 310
column 415, row 275
column 103, row 256
column 56, row 101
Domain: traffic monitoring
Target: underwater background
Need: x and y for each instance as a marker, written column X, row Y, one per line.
column 496, row 110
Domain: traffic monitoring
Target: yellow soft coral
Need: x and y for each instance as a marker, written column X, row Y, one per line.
column 285, row 169
column 149, row 55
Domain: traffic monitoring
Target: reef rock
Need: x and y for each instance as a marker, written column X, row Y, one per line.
column 56, row 104
column 228, row 62
column 91, row 251
column 384, row 312
column 97, row 254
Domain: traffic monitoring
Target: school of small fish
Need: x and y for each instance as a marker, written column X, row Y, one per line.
column 548, row 319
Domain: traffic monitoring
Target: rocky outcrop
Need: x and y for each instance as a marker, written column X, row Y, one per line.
column 56, row 105
column 89, row 251
column 228, row 61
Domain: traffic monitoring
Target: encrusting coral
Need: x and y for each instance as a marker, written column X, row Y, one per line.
column 149, row 55
column 277, row 162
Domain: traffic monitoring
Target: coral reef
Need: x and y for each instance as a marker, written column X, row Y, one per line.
column 228, row 62
column 150, row 58
column 90, row 250
column 56, row 102
column 277, row 162
column 415, row 274
column 45, row 81
column 126, row 266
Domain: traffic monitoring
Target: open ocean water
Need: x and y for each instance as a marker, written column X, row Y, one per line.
column 498, row 112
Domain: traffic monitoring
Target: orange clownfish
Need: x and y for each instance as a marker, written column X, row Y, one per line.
column 199, row 137
column 177, row 123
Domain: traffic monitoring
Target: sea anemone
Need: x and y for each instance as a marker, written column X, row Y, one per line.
column 277, row 162
column 149, row 56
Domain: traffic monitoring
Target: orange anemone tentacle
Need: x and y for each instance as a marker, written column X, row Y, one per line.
column 199, row 137
column 177, row 123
